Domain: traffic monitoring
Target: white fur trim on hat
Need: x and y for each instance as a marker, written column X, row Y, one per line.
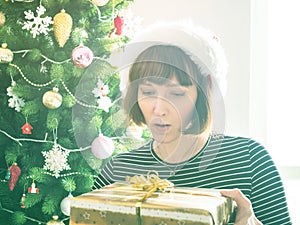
column 202, row 45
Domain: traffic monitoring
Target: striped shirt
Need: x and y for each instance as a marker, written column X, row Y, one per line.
column 225, row 162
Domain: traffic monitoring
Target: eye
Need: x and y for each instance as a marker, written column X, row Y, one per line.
column 147, row 91
column 178, row 94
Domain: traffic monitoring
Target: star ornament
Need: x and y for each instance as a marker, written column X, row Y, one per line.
column 56, row 160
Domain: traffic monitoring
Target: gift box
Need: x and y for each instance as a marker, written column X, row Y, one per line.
column 131, row 204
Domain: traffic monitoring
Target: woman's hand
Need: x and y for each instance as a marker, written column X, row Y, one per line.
column 245, row 214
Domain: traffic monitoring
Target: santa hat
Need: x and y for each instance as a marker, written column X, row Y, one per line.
column 201, row 44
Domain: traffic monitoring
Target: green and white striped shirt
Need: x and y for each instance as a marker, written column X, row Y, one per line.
column 225, row 162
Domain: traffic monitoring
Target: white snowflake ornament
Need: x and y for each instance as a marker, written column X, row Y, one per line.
column 56, row 160
column 14, row 101
column 37, row 24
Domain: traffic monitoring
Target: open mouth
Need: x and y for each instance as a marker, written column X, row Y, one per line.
column 161, row 127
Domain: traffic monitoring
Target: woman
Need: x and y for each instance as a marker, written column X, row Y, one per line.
column 172, row 93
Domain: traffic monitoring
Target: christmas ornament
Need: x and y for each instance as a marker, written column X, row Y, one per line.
column 14, row 101
column 37, row 24
column 52, row 99
column 65, row 205
column 55, row 221
column 104, row 102
column 82, row 56
column 101, row 90
column 6, row 55
column 102, row 147
column 22, row 202
column 62, row 27
column 132, row 23
column 2, row 19
column 56, row 160
column 15, row 172
column 99, row 2
column 33, row 189
column 26, row 128
column 119, row 23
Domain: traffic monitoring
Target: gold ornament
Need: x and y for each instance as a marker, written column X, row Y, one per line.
column 6, row 55
column 2, row 19
column 52, row 99
column 62, row 25
column 99, row 2
column 55, row 221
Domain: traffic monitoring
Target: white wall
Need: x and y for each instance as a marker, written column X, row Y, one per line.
column 242, row 27
column 230, row 21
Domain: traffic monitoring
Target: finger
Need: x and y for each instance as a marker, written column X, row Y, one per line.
column 238, row 197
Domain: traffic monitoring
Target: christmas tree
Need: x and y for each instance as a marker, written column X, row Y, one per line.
column 61, row 115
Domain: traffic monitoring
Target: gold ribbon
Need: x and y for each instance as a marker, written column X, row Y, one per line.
column 150, row 184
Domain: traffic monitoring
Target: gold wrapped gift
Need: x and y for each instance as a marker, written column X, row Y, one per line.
column 150, row 203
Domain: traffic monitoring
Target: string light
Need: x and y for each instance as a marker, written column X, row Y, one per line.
column 19, row 140
column 43, row 56
column 81, row 149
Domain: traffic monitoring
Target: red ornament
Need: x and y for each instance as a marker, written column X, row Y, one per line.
column 118, row 22
column 82, row 56
column 33, row 189
column 26, row 129
column 15, row 172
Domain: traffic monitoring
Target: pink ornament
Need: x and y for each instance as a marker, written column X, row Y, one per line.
column 82, row 56
column 103, row 147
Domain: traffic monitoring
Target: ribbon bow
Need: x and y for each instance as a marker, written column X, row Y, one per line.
column 150, row 184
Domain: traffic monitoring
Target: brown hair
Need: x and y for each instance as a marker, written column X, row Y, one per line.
column 158, row 63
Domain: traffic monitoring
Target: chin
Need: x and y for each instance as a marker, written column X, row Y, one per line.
column 164, row 138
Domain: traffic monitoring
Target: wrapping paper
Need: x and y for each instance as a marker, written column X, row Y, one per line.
column 129, row 204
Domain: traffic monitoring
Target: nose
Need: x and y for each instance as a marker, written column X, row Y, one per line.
column 160, row 107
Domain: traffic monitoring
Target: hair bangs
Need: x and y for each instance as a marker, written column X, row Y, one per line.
column 159, row 73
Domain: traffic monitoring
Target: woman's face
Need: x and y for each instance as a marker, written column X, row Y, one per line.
column 167, row 108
